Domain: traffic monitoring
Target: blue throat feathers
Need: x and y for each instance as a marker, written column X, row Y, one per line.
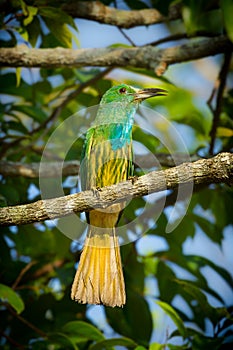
column 120, row 135
column 117, row 118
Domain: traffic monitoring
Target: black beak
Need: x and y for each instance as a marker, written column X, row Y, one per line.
column 147, row 93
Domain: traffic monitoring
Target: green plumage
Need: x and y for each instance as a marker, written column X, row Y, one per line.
column 107, row 159
column 107, row 155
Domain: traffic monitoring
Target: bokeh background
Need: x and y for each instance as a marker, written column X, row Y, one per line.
column 179, row 284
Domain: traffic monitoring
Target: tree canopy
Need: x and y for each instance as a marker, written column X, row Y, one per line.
column 57, row 59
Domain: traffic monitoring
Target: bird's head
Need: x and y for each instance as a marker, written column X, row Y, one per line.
column 125, row 93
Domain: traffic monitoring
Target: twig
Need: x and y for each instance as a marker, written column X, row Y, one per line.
column 12, row 341
column 47, row 268
column 174, row 37
column 26, row 322
column 126, row 37
column 180, row 36
column 22, row 273
column 121, row 30
column 221, row 82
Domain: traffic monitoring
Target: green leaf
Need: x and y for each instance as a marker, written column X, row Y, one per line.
column 23, row 33
column 182, row 108
column 156, row 346
column 176, row 347
column 189, row 17
column 108, row 343
column 32, row 111
column 149, row 141
column 3, row 201
column 202, row 262
column 227, row 10
column 8, row 86
column 60, row 32
column 224, row 132
column 167, row 286
column 56, row 14
column 18, row 75
column 197, row 17
column 82, row 329
column 10, row 193
column 136, row 281
column 174, row 316
column 51, row 243
column 118, row 321
column 200, row 342
column 56, row 21
column 208, row 199
column 200, row 297
column 147, row 73
column 162, row 6
column 23, row 6
column 31, row 12
column 209, row 228
column 178, row 236
column 134, row 320
column 10, row 42
column 62, row 339
column 117, row 45
column 139, row 317
column 8, row 126
column 8, row 295
column 34, row 30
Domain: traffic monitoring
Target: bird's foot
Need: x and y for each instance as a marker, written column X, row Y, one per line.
column 95, row 191
column 133, row 179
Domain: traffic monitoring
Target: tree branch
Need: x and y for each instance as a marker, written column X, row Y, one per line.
column 12, row 341
column 71, row 168
column 96, row 11
column 141, row 57
column 26, row 322
column 214, row 170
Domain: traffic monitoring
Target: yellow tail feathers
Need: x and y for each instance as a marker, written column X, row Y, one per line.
column 99, row 278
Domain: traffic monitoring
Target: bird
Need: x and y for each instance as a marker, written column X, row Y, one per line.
column 107, row 158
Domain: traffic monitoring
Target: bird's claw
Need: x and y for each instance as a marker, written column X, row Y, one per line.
column 95, row 191
column 133, row 179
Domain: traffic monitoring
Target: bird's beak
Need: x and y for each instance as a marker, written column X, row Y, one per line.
column 143, row 94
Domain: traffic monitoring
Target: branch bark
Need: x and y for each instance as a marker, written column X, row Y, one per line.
column 96, row 11
column 71, row 168
column 214, row 170
column 141, row 57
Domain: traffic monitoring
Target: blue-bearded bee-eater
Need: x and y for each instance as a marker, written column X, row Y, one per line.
column 107, row 159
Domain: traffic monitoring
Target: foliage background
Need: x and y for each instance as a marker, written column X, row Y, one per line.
column 179, row 285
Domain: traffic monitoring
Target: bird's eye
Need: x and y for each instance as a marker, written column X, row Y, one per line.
column 122, row 91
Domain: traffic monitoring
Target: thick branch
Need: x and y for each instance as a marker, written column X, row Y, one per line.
column 215, row 170
column 71, row 168
column 96, row 11
column 32, row 170
column 141, row 57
